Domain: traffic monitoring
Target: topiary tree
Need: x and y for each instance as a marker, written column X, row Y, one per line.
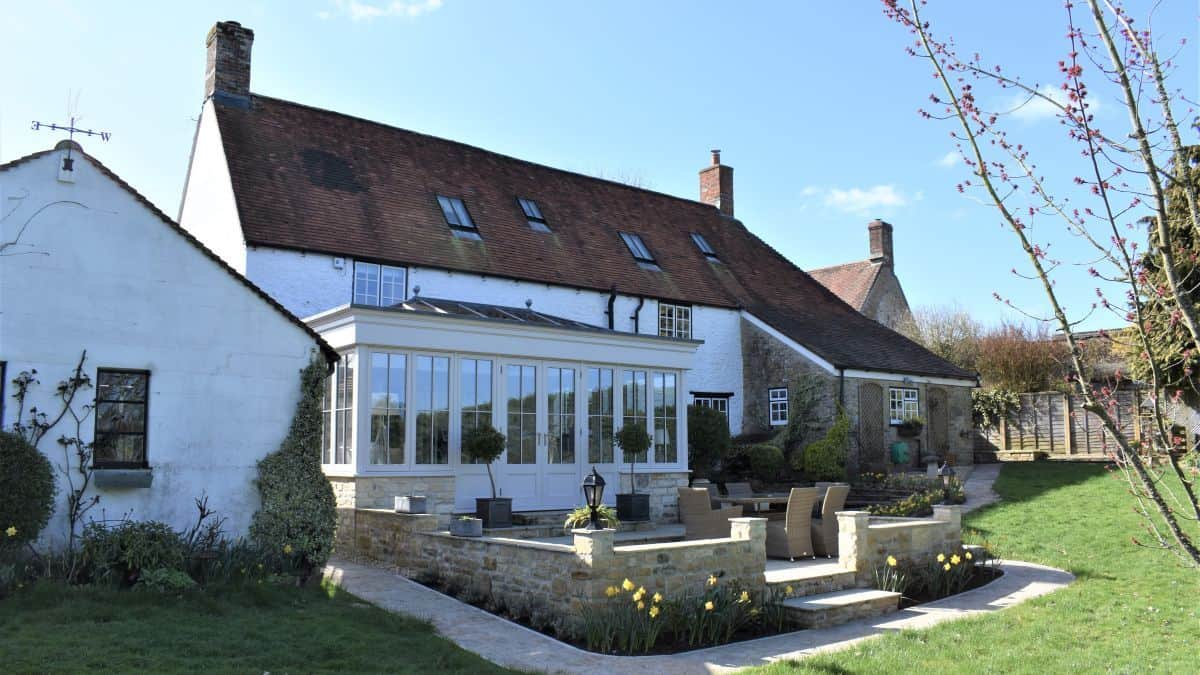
column 298, row 514
column 825, row 459
column 484, row 444
column 27, row 491
column 634, row 442
column 708, row 439
column 766, row 461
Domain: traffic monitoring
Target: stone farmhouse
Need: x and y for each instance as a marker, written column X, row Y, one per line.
column 194, row 371
column 461, row 286
column 870, row 286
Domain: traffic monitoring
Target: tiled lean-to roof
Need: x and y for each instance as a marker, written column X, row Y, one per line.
column 315, row 180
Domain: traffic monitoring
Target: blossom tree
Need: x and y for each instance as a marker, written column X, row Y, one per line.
column 1126, row 179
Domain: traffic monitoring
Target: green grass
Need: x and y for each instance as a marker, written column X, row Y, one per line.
column 1131, row 609
column 251, row 629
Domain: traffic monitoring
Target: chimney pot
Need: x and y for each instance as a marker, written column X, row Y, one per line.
column 716, row 185
column 227, row 73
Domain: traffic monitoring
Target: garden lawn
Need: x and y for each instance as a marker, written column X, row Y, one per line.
column 244, row 629
column 1131, row 609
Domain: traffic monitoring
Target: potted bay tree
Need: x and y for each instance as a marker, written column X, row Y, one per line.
column 485, row 444
column 634, row 442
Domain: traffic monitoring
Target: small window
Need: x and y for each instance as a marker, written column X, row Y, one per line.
column 778, row 399
column 122, row 398
column 638, row 248
column 704, row 246
column 675, row 320
column 903, row 404
column 379, row 285
column 720, row 403
column 457, row 217
column 533, row 215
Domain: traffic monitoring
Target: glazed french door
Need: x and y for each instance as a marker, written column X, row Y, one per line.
column 559, row 477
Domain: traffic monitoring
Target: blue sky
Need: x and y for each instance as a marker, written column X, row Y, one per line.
column 814, row 104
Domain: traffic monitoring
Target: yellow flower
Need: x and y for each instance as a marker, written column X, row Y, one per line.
column 287, row 549
column 946, row 567
column 787, row 589
column 611, row 591
column 708, row 606
column 657, row 597
column 967, row 555
column 627, row 585
column 637, row 597
column 954, row 559
column 891, row 561
column 11, row 531
column 712, row 580
column 654, row 612
column 642, row 590
column 744, row 597
column 941, row 557
column 641, row 605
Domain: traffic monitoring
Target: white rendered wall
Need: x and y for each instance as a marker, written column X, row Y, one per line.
column 114, row 279
column 304, row 283
column 209, row 211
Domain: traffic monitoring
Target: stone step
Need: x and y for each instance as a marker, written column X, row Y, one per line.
column 809, row 579
column 831, row 609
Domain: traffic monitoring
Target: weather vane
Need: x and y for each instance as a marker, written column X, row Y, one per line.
column 71, row 130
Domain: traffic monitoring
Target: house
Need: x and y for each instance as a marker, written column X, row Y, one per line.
column 870, row 285
column 194, row 371
column 587, row 303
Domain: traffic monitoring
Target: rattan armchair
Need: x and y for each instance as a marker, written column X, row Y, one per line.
column 825, row 528
column 700, row 520
column 791, row 537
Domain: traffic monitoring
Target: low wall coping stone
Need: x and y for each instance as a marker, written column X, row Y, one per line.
column 504, row 541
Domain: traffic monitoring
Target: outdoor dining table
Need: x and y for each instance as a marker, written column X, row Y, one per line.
column 752, row 502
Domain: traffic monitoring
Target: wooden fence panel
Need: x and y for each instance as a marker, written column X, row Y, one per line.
column 1056, row 423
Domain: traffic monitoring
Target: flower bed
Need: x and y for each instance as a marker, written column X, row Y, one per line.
column 949, row 573
column 911, row 494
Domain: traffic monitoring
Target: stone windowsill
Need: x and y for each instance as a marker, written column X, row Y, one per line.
column 122, row 478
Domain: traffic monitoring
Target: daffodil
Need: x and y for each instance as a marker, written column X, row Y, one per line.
column 627, row 585
column 941, row 557
column 708, row 606
column 744, row 597
column 891, row 561
column 612, row 591
column 637, row 597
column 712, row 580
column 641, row 605
column 954, row 559
column 946, row 567
column 11, row 531
column 287, row 549
column 787, row 589
column 657, row 597
column 967, row 555
column 654, row 612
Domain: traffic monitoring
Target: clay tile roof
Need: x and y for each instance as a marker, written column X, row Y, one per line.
column 850, row 281
column 315, row 180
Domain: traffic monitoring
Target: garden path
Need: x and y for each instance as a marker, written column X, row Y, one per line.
column 978, row 486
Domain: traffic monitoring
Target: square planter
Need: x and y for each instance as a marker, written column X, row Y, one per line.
column 633, row 507
column 412, row 504
column 466, row 527
column 494, row 511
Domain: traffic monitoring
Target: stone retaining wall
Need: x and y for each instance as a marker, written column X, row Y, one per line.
column 865, row 541
column 555, row 578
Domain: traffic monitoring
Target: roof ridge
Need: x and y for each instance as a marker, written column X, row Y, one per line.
column 477, row 148
column 845, row 264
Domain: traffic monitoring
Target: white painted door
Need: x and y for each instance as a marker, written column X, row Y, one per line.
column 559, row 472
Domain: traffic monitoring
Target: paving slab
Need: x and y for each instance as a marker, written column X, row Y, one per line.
column 514, row 646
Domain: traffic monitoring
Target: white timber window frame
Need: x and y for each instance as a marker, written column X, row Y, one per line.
column 675, row 320
column 379, row 285
column 904, row 403
column 777, row 400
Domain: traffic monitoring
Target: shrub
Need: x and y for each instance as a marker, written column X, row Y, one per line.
column 120, row 554
column 582, row 517
column 992, row 405
column 634, row 442
column 708, row 440
column 825, row 460
column 27, row 490
column 298, row 513
column 484, row 444
column 766, row 462
column 165, row 581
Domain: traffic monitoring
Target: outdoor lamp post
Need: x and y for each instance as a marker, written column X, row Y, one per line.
column 593, row 492
column 946, row 473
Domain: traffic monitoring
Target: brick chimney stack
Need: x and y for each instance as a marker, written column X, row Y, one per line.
column 880, row 234
column 716, row 185
column 227, row 74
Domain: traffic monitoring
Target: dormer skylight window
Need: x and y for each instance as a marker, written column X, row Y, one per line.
column 638, row 248
column 457, row 217
column 533, row 215
column 705, row 248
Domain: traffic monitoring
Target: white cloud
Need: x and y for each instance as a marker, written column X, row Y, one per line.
column 367, row 10
column 949, row 159
column 1038, row 108
column 861, row 201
